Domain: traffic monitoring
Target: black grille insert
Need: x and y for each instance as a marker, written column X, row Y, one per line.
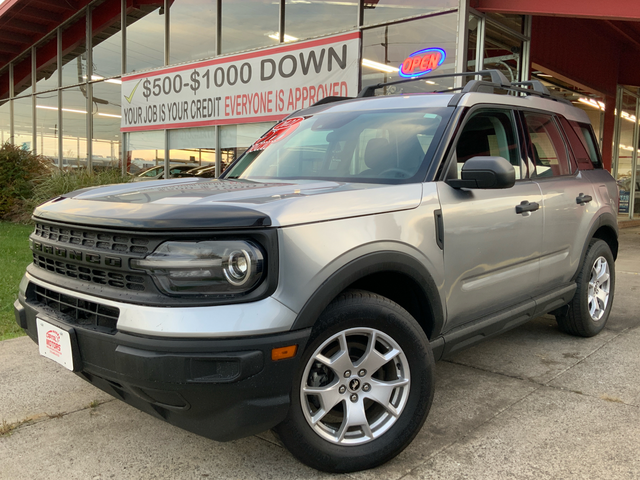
column 101, row 241
column 76, row 311
column 94, row 275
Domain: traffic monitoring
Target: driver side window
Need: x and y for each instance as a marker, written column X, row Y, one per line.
column 488, row 133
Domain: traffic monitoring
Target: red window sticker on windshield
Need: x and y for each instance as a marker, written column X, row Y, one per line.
column 276, row 134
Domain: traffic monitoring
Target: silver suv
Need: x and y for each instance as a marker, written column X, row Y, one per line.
column 311, row 288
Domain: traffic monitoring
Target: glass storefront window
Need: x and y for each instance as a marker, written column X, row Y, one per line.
column 74, row 127
column 627, row 123
column 105, row 145
column 74, row 52
column 23, row 122
column 514, row 22
column 145, row 36
column 235, row 139
column 503, row 52
column 145, row 150
column 185, row 46
column 194, row 146
column 249, row 24
column 380, row 11
column 47, row 127
column 5, row 122
column 4, row 83
column 106, row 41
column 47, row 65
column 22, row 75
column 472, row 43
column 386, row 48
column 311, row 19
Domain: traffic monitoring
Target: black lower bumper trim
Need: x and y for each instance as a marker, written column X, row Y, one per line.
column 223, row 389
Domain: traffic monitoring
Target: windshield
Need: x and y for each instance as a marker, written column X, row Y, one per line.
column 389, row 146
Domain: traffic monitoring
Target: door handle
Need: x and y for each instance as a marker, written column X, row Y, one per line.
column 525, row 206
column 582, row 199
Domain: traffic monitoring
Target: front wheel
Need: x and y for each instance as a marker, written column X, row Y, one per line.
column 590, row 307
column 365, row 386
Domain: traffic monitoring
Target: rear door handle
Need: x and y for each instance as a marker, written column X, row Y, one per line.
column 525, row 206
column 582, row 199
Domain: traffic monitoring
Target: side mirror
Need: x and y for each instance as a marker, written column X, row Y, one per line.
column 485, row 172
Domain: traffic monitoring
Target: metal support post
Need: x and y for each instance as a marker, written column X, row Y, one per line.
column 463, row 38
column 218, row 151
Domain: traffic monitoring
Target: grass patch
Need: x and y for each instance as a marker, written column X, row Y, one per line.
column 14, row 258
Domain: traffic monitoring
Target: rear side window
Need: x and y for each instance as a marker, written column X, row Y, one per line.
column 588, row 139
column 549, row 152
column 580, row 154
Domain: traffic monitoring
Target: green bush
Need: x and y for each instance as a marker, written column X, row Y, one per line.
column 59, row 182
column 27, row 180
column 19, row 171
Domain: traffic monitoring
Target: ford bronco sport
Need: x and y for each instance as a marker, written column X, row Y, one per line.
column 311, row 288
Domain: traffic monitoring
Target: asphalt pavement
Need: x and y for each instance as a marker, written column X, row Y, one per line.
column 533, row 403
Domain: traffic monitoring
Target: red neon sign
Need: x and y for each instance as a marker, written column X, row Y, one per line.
column 422, row 62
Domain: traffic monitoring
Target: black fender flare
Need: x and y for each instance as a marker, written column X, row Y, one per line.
column 604, row 220
column 383, row 261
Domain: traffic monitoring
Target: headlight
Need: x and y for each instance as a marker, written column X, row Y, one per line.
column 215, row 267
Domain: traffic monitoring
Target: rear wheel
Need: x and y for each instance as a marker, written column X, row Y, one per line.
column 365, row 386
column 590, row 307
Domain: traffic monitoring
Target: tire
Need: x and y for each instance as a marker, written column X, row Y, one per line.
column 398, row 372
column 590, row 307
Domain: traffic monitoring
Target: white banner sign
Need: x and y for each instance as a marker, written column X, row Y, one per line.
column 259, row 86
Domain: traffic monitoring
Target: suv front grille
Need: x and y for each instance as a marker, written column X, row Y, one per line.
column 76, row 311
column 94, row 275
column 100, row 240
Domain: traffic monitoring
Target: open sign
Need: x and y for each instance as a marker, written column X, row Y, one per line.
column 422, row 62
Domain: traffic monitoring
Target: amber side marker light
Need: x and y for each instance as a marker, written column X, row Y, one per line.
column 284, row 352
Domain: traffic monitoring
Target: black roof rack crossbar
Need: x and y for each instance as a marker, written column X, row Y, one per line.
column 536, row 85
column 497, row 80
column 538, row 91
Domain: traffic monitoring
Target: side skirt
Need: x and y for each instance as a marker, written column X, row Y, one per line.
column 499, row 322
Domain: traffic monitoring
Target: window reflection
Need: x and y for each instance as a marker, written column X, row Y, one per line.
column 4, row 83
column 145, row 36
column 22, row 75
column 23, row 122
column 186, row 46
column 106, row 41
column 47, row 65
column 194, row 147
column 47, row 127
column 74, row 53
column 386, row 48
column 235, row 139
column 514, row 22
column 105, row 145
column 502, row 51
column 306, row 19
column 145, row 150
column 249, row 24
column 74, row 127
column 380, row 11
column 5, row 122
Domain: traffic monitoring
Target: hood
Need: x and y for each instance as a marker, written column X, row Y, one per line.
column 189, row 203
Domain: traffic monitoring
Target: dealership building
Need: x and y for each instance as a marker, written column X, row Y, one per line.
column 137, row 83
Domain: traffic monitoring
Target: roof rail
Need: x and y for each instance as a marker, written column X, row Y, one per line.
column 497, row 80
column 325, row 100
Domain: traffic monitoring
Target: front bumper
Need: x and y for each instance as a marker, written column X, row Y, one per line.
column 219, row 388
